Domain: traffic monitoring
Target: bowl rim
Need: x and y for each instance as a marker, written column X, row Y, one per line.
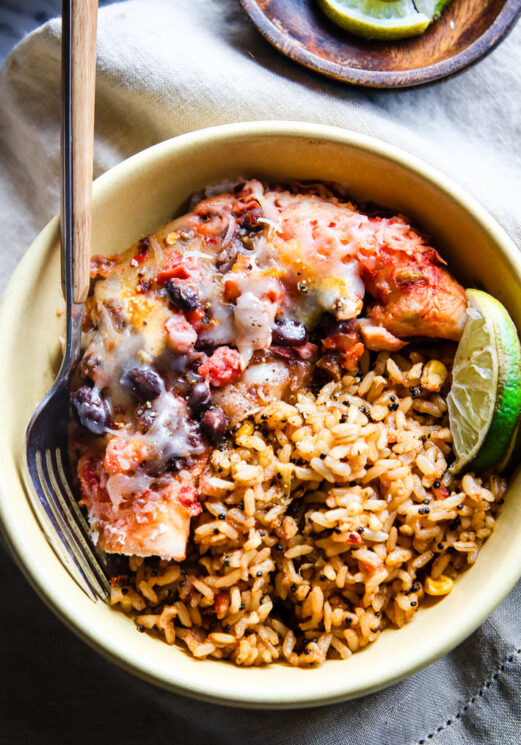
column 386, row 79
column 339, row 689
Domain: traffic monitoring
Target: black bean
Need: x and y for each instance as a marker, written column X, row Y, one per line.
column 204, row 345
column 214, row 424
column 288, row 333
column 329, row 324
column 183, row 297
column 144, row 383
column 249, row 219
column 199, row 398
column 180, row 362
column 91, row 409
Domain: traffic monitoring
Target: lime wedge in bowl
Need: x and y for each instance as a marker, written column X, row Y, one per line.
column 383, row 19
column 484, row 401
column 512, row 456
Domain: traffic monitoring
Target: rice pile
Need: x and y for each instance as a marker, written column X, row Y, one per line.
column 324, row 522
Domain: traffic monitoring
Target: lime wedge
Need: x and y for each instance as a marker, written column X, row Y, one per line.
column 484, row 401
column 378, row 19
column 431, row 8
column 512, row 457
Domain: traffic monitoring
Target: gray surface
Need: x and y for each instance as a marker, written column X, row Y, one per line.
column 56, row 691
column 170, row 66
column 19, row 17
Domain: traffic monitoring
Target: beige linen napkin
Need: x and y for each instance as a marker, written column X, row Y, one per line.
column 167, row 67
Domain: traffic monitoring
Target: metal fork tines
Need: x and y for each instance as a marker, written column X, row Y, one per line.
column 47, row 464
column 66, row 528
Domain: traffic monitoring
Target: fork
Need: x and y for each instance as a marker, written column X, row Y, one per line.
column 49, row 484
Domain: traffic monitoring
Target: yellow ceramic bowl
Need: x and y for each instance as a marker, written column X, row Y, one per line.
column 133, row 199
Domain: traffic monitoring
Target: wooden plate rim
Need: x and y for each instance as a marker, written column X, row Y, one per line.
column 496, row 32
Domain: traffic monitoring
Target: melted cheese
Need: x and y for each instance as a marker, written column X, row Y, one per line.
column 304, row 259
column 172, row 434
column 253, row 321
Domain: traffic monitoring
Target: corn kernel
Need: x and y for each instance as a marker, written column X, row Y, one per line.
column 246, row 430
column 172, row 238
column 434, row 375
column 441, row 586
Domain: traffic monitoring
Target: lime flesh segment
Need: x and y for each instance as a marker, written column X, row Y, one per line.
column 377, row 19
column 485, row 398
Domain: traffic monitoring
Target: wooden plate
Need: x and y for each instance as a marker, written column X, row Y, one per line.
column 467, row 30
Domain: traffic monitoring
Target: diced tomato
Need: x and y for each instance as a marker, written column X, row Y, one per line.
column 306, row 351
column 348, row 344
column 195, row 317
column 340, row 342
column 89, row 473
column 123, row 455
column 222, row 368
column 351, row 357
column 285, row 352
column 119, row 579
column 231, row 290
column 178, row 268
column 181, row 334
column 221, row 604
column 139, row 258
column 195, row 509
column 188, row 497
column 173, row 272
column 275, row 295
column 90, row 476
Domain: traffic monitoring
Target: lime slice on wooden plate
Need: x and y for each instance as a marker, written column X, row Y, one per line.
column 485, row 398
column 383, row 19
column 431, row 8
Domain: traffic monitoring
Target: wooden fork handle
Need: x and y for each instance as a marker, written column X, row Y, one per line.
column 79, row 19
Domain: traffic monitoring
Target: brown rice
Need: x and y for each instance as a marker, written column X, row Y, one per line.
column 323, row 523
